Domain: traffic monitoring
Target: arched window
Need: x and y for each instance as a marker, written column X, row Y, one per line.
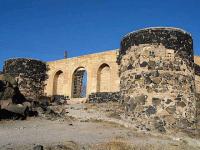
column 103, row 78
column 79, row 83
column 58, row 83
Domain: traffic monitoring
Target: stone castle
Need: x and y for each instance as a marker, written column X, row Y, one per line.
column 154, row 74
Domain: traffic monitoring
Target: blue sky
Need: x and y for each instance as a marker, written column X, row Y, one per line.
column 44, row 29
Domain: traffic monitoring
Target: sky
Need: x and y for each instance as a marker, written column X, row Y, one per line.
column 44, row 29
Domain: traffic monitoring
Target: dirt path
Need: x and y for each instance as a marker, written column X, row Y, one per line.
column 37, row 131
column 91, row 129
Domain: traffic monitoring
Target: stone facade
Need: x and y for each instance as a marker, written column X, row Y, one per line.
column 65, row 76
column 157, row 75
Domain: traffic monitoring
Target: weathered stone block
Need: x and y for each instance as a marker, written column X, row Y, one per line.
column 171, row 109
column 156, row 101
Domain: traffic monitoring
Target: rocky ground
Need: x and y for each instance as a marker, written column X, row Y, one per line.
column 89, row 127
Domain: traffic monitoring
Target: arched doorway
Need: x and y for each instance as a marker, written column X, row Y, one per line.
column 58, row 83
column 103, row 78
column 79, row 83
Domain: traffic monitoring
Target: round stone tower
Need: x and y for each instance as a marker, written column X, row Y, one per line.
column 30, row 75
column 157, row 75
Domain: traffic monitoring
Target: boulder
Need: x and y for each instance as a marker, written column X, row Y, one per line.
column 38, row 147
column 14, row 112
column 10, row 90
column 18, row 109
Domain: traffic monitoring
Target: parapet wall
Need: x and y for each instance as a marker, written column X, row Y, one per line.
column 30, row 75
column 157, row 74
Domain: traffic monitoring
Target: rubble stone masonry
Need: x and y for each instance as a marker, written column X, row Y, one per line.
column 157, row 78
column 30, row 75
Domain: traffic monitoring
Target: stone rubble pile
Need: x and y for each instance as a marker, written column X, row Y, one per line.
column 14, row 105
column 60, row 99
column 50, row 110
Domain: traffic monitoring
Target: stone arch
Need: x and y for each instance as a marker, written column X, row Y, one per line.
column 79, row 83
column 58, row 84
column 103, row 78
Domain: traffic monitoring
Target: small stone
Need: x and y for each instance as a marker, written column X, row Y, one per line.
column 184, row 123
column 156, row 80
column 38, row 147
column 130, row 67
column 137, row 76
column 150, row 110
column 151, row 65
column 144, row 64
column 156, row 101
column 178, row 99
column 170, row 120
column 171, row 109
column 181, row 104
column 159, row 125
column 168, row 101
column 140, row 99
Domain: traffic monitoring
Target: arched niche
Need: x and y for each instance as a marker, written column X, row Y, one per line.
column 58, row 83
column 103, row 78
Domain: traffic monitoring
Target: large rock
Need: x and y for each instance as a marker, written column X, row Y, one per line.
column 18, row 109
column 12, row 111
column 10, row 90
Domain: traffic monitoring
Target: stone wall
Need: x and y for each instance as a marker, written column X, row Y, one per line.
column 197, row 73
column 102, row 97
column 101, row 69
column 197, row 84
column 157, row 76
column 30, row 75
column 197, row 78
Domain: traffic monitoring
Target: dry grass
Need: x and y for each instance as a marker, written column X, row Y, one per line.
column 106, row 123
column 124, row 145
column 113, row 145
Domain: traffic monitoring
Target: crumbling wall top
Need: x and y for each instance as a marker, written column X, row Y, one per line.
column 30, row 75
column 172, row 38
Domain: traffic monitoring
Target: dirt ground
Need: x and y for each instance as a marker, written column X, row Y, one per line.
column 88, row 128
